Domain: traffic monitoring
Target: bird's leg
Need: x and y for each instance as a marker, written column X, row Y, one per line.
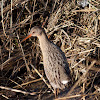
column 56, row 92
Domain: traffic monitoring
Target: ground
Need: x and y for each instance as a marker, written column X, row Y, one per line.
column 73, row 25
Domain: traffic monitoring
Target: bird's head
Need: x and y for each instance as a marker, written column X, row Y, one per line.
column 35, row 31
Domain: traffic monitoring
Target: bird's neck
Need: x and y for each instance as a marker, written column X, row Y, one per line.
column 44, row 42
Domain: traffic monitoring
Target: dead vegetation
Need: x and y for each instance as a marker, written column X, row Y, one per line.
column 72, row 25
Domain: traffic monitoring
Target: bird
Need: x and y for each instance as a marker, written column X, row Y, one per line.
column 56, row 67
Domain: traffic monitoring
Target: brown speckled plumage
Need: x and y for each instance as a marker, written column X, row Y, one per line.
column 55, row 64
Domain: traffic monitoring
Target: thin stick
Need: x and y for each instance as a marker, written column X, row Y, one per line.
column 77, row 95
column 11, row 16
column 85, row 10
column 15, row 90
column 2, row 19
column 28, row 70
column 28, row 83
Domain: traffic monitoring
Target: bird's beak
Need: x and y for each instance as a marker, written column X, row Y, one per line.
column 26, row 38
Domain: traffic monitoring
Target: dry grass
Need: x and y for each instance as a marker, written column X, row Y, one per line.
column 75, row 29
